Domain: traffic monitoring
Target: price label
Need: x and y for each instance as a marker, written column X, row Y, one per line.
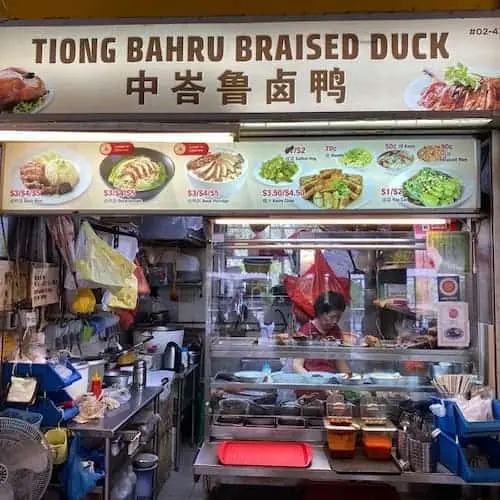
column 391, row 191
column 25, row 193
column 281, row 193
column 203, row 193
column 393, row 146
column 295, row 150
column 119, row 193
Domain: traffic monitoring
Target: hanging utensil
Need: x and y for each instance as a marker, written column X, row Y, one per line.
column 173, row 291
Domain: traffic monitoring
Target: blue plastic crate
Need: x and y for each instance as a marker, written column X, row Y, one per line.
column 30, row 417
column 454, row 423
column 452, row 456
column 45, row 373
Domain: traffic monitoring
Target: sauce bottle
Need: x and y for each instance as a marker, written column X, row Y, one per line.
column 96, row 386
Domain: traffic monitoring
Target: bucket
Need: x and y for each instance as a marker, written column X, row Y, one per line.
column 144, row 487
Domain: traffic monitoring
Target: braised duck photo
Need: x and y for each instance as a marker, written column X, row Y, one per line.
column 224, row 166
column 140, row 173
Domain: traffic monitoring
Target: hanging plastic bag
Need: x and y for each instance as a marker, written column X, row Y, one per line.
column 142, row 283
column 98, row 264
column 125, row 297
column 319, row 278
column 78, row 476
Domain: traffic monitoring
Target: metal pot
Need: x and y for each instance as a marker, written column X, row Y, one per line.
column 116, row 378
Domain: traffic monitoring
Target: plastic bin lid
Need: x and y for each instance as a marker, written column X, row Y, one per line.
column 145, row 460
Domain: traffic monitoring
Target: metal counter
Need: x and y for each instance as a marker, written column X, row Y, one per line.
column 113, row 421
column 106, row 427
column 207, row 464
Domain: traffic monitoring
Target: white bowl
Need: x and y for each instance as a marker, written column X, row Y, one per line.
column 225, row 189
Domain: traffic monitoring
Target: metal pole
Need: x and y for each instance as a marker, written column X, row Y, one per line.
column 107, row 468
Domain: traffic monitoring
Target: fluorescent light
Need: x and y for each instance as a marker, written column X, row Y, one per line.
column 367, row 124
column 72, row 136
column 323, row 246
column 344, row 221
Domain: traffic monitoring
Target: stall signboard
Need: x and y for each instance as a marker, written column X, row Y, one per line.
column 390, row 173
column 253, row 67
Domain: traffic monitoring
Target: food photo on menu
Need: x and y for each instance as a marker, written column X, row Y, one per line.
column 52, row 176
column 221, row 171
column 459, row 87
column 144, row 172
column 22, row 91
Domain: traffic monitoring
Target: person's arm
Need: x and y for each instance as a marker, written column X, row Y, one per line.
column 343, row 366
column 298, row 366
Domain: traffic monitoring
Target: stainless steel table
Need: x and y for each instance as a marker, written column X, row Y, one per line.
column 208, row 465
column 107, row 427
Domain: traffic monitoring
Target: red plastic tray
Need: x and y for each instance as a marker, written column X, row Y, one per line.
column 265, row 453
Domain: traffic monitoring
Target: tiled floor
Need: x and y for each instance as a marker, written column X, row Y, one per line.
column 181, row 485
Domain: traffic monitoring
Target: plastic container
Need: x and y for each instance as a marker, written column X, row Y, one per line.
column 46, row 373
column 32, row 418
column 341, row 440
column 377, row 445
column 452, row 456
column 144, row 487
column 373, row 413
column 339, row 413
column 455, row 424
column 53, row 414
column 265, row 454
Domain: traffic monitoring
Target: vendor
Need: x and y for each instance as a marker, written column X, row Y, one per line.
column 328, row 310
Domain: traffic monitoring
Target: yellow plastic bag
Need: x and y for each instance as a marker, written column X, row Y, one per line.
column 58, row 443
column 125, row 297
column 97, row 263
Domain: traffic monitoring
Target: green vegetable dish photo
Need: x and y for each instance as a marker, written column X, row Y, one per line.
column 356, row 157
column 432, row 188
column 278, row 170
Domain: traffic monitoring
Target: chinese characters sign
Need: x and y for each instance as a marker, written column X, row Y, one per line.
column 392, row 173
column 312, row 66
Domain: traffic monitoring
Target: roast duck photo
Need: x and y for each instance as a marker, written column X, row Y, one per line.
column 461, row 89
column 18, row 86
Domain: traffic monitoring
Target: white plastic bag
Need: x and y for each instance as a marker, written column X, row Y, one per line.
column 476, row 409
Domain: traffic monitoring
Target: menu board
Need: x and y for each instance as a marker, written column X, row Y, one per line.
column 390, row 173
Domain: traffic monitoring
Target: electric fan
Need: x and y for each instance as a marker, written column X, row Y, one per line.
column 25, row 461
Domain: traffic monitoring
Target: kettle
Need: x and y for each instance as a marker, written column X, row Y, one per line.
column 172, row 357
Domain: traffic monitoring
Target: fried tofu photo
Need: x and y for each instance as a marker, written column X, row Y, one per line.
column 331, row 188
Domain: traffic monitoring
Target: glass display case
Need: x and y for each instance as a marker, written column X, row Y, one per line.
column 297, row 313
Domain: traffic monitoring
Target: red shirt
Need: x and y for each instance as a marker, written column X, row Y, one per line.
column 320, row 365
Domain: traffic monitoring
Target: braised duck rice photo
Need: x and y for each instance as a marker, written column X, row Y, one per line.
column 49, row 173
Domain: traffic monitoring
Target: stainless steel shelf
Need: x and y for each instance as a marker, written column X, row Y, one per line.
column 231, row 432
column 207, row 464
column 240, row 386
column 246, row 348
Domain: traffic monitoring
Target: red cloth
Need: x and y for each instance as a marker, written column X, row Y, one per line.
column 320, row 365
